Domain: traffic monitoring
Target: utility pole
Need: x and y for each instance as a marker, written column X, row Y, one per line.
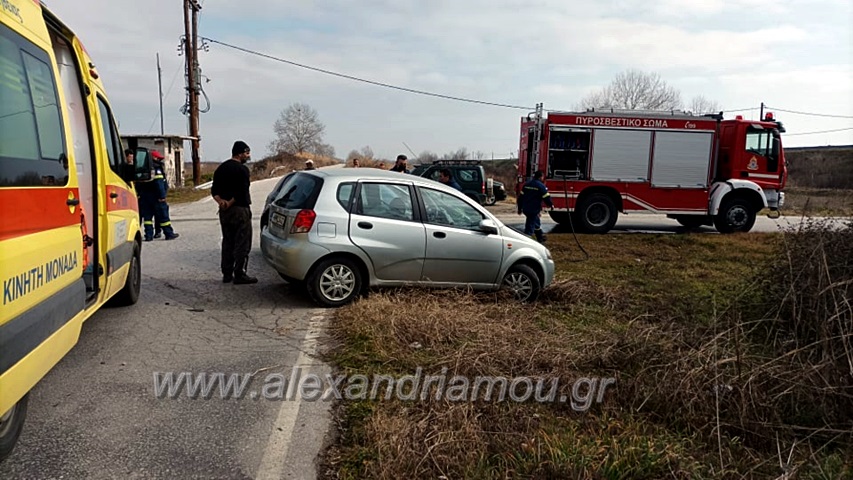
column 191, row 49
column 160, row 84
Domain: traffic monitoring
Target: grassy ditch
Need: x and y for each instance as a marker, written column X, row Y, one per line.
column 731, row 356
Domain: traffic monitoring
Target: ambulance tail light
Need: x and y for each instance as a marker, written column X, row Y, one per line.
column 303, row 222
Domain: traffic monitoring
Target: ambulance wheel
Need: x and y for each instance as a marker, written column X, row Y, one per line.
column 129, row 295
column 11, row 425
column 736, row 215
column 596, row 214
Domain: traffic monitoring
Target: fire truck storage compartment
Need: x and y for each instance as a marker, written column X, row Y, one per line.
column 621, row 155
column 568, row 153
column 682, row 159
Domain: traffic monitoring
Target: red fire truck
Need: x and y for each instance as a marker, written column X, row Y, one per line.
column 699, row 170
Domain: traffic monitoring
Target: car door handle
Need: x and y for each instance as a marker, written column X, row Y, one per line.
column 365, row 225
column 439, row 234
column 72, row 201
column 113, row 195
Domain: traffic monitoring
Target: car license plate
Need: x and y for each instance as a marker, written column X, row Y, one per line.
column 277, row 219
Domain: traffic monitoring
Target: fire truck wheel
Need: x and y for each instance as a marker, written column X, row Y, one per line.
column 11, row 424
column 736, row 215
column 596, row 214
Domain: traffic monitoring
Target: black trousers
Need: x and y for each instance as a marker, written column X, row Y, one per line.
column 236, row 223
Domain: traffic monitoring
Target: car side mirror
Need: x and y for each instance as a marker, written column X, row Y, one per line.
column 777, row 146
column 141, row 165
column 488, row 226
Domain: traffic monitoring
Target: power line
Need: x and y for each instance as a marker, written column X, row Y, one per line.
column 740, row 110
column 809, row 113
column 371, row 82
column 165, row 97
column 815, row 133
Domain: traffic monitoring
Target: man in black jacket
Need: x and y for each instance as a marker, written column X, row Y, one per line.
column 230, row 189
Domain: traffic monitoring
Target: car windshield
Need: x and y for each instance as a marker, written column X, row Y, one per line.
column 299, row 192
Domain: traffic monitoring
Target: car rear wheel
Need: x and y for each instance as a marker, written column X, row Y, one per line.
column 523, row 282
column 335, row 282
column 11, row 425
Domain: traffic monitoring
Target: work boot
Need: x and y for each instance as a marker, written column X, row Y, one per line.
column 540, row 236
column 158, row 235
column 243, row 279
column 227, row 278
column 172, row 236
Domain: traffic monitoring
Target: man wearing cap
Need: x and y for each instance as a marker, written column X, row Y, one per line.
column 230, row 190
column 309, row 164
column 152, row 201
column 400, row 164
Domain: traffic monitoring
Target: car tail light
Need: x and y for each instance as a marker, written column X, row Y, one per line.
column 483, row 187
column 303, row 222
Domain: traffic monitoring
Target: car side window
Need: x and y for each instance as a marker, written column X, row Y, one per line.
column 434, row 174
column 385, row 200
column 345, row 191
column 468, row 175
column 32, row 141
column 446, row 209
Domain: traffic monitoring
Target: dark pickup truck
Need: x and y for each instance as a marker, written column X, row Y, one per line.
column 471, row 177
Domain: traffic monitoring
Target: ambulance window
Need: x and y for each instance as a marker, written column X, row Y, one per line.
column 111, row 138
column 32, row 141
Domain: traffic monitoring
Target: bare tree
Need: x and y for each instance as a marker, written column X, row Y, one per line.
column 460, row 154
column 635, row 90
column 366, row 153
column 299, row 130
column 479, row 155
column 427, row 157
column 323, row 150
column 700, row 105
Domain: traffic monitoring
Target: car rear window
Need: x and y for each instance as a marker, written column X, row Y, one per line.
column 301, row 191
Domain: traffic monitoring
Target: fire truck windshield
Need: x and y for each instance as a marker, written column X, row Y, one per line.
column 759, row 140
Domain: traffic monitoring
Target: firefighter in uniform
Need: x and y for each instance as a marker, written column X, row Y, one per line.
column 529, row 202
column 152, row 201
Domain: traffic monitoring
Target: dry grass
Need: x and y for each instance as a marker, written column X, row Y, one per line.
column 711, row 381
column 818, row 202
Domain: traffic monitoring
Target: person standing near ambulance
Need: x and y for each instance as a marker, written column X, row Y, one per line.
column 230, row 189
column 152, row 201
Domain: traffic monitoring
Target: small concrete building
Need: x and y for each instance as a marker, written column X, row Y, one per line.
column 172, row 148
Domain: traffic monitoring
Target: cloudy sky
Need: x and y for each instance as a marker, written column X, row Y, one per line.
column 790, row 54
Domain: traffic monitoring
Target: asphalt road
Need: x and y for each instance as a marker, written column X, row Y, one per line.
column 95, row 415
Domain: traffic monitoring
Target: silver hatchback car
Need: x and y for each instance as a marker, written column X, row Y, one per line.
column 341, row 231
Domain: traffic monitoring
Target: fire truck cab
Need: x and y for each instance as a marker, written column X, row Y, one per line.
column 699, row 170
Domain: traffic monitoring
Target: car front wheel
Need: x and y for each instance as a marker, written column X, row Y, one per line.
column 335, row 282
column 523, row 282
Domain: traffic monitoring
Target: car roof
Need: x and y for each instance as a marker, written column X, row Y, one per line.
column 355, row 174
column 361, row 174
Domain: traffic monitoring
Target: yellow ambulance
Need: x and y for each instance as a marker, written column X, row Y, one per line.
column 70, row 237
